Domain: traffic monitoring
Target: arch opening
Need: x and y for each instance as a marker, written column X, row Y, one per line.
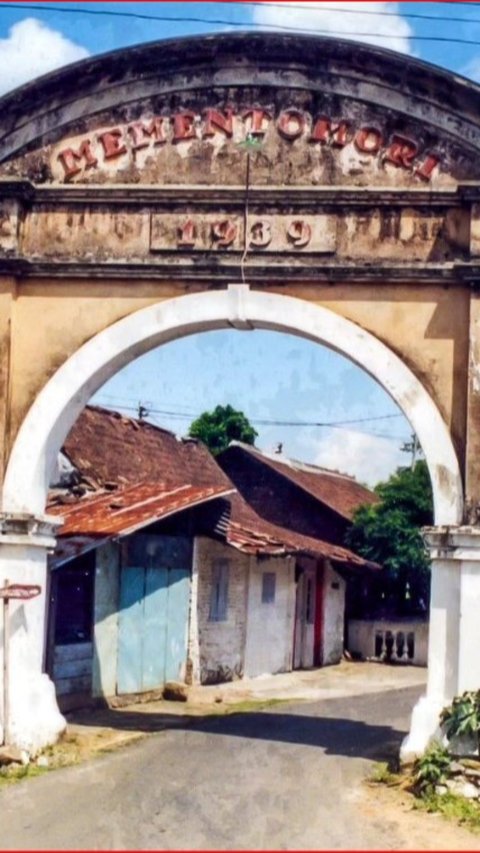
column 64, row 396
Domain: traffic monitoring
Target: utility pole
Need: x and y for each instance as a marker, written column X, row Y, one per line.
column 412, row 447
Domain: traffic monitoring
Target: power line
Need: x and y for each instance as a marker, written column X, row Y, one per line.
column 388, row 436
column 313, row 9
column 271, row 422
column 267, row 421
column 119, row 400
column 223, row 22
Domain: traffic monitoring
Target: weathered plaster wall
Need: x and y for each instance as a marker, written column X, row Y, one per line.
column 221, row 644
column 333, row 615
column 472, row 468
column 425, row 326
column 7, row 291
column 121, row 184
column 105, row 617
column 269, row 644
column 50, row 320
column 352, row 137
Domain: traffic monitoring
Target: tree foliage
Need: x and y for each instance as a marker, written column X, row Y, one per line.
column 389, row 533
column 218, row 428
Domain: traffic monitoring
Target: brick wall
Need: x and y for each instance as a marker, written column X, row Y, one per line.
column 280, row 501
column 221, row 644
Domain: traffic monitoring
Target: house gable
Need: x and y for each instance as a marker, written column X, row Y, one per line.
column 280, row 495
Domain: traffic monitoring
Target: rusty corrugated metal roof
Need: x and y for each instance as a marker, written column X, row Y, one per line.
column 127, row 509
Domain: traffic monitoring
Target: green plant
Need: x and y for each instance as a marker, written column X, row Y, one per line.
column 430, row 769
column 221, row 426
column 462, row 717
column 453, row 807
column 383, row 775
column 388, row 533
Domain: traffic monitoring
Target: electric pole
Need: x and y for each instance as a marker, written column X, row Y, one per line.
column 412, row 447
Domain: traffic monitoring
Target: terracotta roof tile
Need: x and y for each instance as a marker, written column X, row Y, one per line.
column 108, row 447
column 338, row 491
column 151, row 475
column 248, row 532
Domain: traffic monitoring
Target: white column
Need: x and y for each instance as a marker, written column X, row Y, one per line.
column 454, row 632
column 193, row 653
column 34, row 720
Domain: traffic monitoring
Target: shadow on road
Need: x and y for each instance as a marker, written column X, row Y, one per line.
column 335, row 735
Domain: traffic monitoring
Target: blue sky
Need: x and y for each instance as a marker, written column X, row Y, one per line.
column 267, row 375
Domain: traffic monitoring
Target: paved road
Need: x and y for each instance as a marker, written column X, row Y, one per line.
column 285, row 778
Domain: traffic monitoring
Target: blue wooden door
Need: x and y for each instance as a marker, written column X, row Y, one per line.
column 155, row 621
column 130, row 630
column 153, row 618
column 177, row 619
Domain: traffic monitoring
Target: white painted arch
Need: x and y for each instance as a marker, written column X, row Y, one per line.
column 67, row 392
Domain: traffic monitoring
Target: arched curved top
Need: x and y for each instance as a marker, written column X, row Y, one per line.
column 67, row 392
column 273, row 67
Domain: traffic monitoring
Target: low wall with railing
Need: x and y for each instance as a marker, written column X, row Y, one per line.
column 397, row 641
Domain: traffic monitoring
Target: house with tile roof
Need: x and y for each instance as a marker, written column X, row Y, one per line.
column 306, row 501
column 166, row 570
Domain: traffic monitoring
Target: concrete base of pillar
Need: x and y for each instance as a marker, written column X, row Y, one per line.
column 35, row 721
column 424, row 728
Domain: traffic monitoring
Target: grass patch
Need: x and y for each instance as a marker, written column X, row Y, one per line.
column 384, row 775
column 222, row 709
column 463, row 811
column 248, row 705
column 13, row 773
column 419, row 783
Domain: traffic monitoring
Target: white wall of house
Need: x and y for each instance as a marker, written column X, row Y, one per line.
column 221, row 643
column 105, row 619
column 270, row 624
column 333, row 615
column 305, row 612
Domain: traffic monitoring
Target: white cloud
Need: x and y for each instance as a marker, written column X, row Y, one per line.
column 366, row 457
column 32, row 49
column 342, row 19
column 472, row 69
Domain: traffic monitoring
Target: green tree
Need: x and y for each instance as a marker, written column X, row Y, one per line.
column 388, row 533
column 218, row 428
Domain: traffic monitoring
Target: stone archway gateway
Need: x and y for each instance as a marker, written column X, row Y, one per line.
column 255, row 181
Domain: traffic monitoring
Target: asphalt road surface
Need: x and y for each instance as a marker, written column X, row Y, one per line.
column 290, row 777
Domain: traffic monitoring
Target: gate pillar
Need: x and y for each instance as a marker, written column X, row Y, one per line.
column 30, row 705
column 454, row 633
